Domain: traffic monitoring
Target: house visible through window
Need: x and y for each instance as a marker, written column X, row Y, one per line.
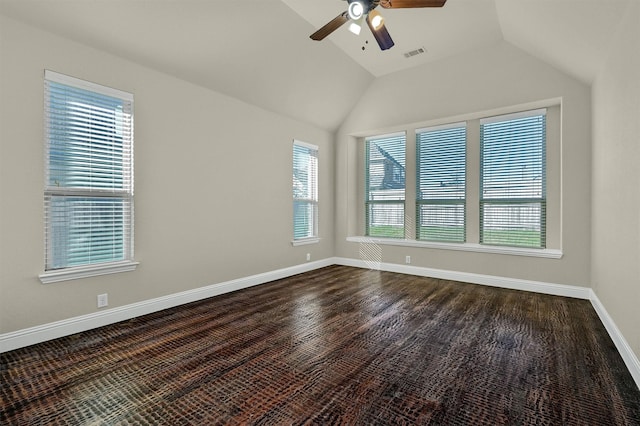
column 513, row 180
column 385, row 185
column 305, row 191
column 88, row 193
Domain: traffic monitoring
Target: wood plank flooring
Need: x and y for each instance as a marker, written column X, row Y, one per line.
column 338, row 345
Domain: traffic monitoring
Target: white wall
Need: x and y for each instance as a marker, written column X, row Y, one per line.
column 213, row 197
column 615, row 262
column 489, row 79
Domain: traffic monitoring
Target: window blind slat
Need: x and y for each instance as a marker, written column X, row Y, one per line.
column 82, row 230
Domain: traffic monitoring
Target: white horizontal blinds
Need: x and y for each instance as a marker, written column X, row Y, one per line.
column 86, row 230
column 440, row 183
column 89, row 173
column 305, row 190
column 513, row 180
column 385, row 185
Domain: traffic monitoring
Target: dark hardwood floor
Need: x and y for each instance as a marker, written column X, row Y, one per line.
column 338, row 345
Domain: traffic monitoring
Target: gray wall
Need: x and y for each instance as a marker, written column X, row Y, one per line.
column 213, row 198
column 615, row 261
column 491, row 79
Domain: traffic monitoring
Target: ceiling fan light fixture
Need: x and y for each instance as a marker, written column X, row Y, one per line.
column 380, row 33
column 377, row 21
column 355, row 10
column 355, row 28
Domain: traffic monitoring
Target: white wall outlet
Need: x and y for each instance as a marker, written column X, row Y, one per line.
column 103, row 300
column 407, row 259
column 308, row 257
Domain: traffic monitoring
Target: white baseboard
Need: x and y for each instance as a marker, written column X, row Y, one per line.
column 41, row 333
column 627, row 354
column 490, row 280
column 54, row 330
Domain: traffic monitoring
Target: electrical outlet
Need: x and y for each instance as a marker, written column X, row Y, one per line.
column 407, row 259
column 308, row 257
column 103, row 300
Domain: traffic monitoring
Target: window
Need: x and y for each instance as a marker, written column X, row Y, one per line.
column 513, row 180
column 305, row 191
column 385, row 186
column 88, row 193
column 441, row 183
column 483, row 182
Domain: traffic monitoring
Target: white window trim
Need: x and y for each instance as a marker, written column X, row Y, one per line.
column 87, row 85
column 469, row 247
column 306, row 145
column 305, row 241
column 79, row 272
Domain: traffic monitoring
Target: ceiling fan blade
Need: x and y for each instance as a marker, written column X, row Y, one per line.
column 330, row 26
column 380, row 34
column 398, row 4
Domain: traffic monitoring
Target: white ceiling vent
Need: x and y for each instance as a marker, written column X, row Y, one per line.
column 415, row 52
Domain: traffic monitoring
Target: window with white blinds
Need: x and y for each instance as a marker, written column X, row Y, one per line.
column 441, row 183
column 513, row 180
column 385, row 185
column 88, row 193
column 305, row 191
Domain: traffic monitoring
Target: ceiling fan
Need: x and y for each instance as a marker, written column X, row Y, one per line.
column 360, row 10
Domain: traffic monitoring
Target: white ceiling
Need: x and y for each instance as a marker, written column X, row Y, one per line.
column 259, row 51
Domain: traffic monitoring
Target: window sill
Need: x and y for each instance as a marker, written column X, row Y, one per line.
column 478, row 248
column 87, row 271
column 305, row 241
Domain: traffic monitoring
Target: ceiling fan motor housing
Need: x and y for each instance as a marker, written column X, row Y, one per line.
column 357, row 9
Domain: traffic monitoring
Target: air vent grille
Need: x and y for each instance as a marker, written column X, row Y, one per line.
column 414, row 52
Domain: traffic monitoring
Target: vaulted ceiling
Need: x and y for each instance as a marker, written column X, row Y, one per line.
column 259, row 51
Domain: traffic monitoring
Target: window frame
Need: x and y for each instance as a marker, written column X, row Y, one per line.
column 89, row 193
column 312, row 171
